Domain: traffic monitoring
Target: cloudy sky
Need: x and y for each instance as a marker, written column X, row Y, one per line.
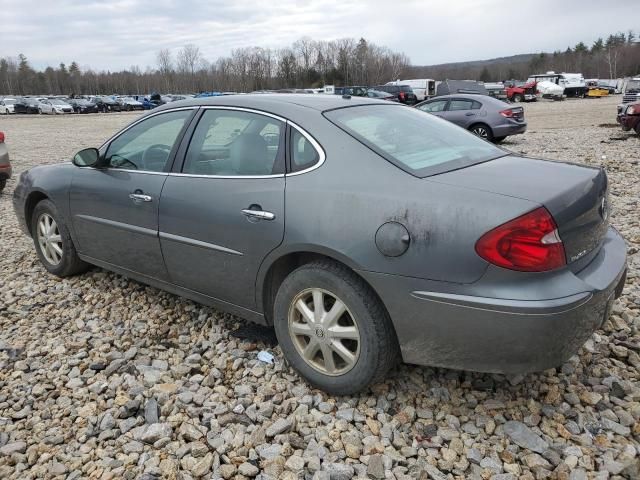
column 115, row 34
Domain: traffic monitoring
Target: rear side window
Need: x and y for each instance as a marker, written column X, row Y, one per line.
column 460, row 105
column 303, row 153
column 417, row 142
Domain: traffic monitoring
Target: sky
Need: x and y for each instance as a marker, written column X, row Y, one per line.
column 116, row 34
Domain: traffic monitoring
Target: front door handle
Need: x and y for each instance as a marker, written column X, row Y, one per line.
column 137, row 197
column 258, row 214
column 469, row 114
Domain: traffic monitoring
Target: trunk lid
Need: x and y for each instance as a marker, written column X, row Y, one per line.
column 575, row 195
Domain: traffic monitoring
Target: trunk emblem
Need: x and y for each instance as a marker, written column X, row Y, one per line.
column 604, row 210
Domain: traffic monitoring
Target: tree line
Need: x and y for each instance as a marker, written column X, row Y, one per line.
column 308, row 63
column 614, row 57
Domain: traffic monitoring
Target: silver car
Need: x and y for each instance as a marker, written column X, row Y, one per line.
column 487, row 117
column 363, row 231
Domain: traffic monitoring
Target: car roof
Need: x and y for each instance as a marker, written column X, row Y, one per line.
column 278, row 103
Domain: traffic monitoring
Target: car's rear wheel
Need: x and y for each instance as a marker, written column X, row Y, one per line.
column 333, row 329
column 53, row 241
column 482, row 131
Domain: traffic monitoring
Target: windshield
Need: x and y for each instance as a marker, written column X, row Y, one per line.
column 415, row 141
column 9, row 101
column 633, row 85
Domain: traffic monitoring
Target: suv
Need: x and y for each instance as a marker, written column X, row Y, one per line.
column 403, row 93
column 629, row 117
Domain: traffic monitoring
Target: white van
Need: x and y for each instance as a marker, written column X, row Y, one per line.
column 424, row 88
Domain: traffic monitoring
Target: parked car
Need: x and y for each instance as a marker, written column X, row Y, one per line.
column 53, row 106
column 371, row 93
column 354, row 90
column 485, row 116
column 5, row 164
column 572, row 84
column 473, row 257
column 129, row 104
column 631, row 92
column 521, row 91
column 7, row 106
column 106, row 104
column 82, row 105
column 403, row 93
column 423, row 88
column 26, row 105
column 629, row 117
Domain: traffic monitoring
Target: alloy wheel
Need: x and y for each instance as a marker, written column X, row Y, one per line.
column 481, row 132
column 49, row 239
column 324, row 331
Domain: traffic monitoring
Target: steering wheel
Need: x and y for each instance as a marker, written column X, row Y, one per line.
column 155, row 156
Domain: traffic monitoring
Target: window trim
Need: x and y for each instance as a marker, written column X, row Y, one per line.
column 319, row 150
column 104, row 148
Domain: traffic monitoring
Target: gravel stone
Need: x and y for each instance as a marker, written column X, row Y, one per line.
column 525, row 437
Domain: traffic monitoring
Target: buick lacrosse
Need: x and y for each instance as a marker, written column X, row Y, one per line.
column 365, row 232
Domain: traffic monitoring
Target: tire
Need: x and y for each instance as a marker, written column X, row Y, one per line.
column 69, row 263
column 3, row 183
column 517, row 98
column 483, row 131
column 373, row 353
column 498, row 139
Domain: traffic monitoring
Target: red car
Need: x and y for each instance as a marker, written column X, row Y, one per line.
column 629, row 117
column 5, row 166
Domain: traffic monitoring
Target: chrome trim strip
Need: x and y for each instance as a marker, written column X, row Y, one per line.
column 119, row 225
column 146, row 172
column 197, row 243
column 315, row 144
column 244, row 109
column 237, row 177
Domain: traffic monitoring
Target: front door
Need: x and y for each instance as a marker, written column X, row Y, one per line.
column 115, row 208
column 222, row 215
column 435, row 107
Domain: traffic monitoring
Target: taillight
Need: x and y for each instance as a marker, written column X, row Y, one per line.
column 507, row 113
column 1, row 137
column 401, row 95
column 529, row 243
column 632, row 110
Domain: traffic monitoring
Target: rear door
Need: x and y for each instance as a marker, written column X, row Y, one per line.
column 463, row 111
column 224, row 211
column 115, row 208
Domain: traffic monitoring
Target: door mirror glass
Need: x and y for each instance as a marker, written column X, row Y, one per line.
column 86, row 158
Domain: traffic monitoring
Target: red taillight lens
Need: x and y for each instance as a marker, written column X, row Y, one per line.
column 507, row 113
column 401, row 95
column 1, row 137
column 529, row 243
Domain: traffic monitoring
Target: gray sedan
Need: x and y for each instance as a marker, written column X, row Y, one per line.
column 365, row 232
column 487, row 117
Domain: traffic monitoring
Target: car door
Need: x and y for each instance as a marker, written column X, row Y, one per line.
column 435, row 107
column 224, row 211
column 461, row 111
column 115, row 207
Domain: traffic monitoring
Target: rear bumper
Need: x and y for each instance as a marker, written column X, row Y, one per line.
column 502, row 335
column 511, row 128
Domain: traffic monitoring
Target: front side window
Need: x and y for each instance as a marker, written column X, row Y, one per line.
column 303, row 153
column 435, row 106
column 235, row 143
column 420, row 144
column 146, row 146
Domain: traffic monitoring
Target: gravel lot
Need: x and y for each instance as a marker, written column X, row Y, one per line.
column 101, row 377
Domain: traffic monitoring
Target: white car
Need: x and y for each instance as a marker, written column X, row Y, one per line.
column 550, row 90
column 6, row 106
column 53, row 106
column 129, row 103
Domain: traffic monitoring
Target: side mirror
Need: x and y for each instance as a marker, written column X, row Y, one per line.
column 86, row 158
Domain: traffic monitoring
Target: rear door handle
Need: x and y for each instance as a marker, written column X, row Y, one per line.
column 258, row 214
column 140, row 197
column 469, row 114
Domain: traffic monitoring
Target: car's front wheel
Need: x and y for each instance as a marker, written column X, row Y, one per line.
column 53, row 241
column 333, row 329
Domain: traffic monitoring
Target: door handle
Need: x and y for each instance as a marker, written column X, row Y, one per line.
column 469, row 114
column 258, row 214
column 140, row 197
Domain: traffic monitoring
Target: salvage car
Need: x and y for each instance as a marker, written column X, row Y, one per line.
column 485, row 116
column 401, row 235
column 82, row 105
column 129, row 103
column 53, row 106
column 7, row 106
column 5, row 164
column 26, row 105
column 629, row 117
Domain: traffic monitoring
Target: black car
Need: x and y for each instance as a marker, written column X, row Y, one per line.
column 403, row 93
column 106, row 104
column 82, row 105
column 26, row 105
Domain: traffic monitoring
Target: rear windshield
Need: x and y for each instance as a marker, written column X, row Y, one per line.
column 415, row 141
